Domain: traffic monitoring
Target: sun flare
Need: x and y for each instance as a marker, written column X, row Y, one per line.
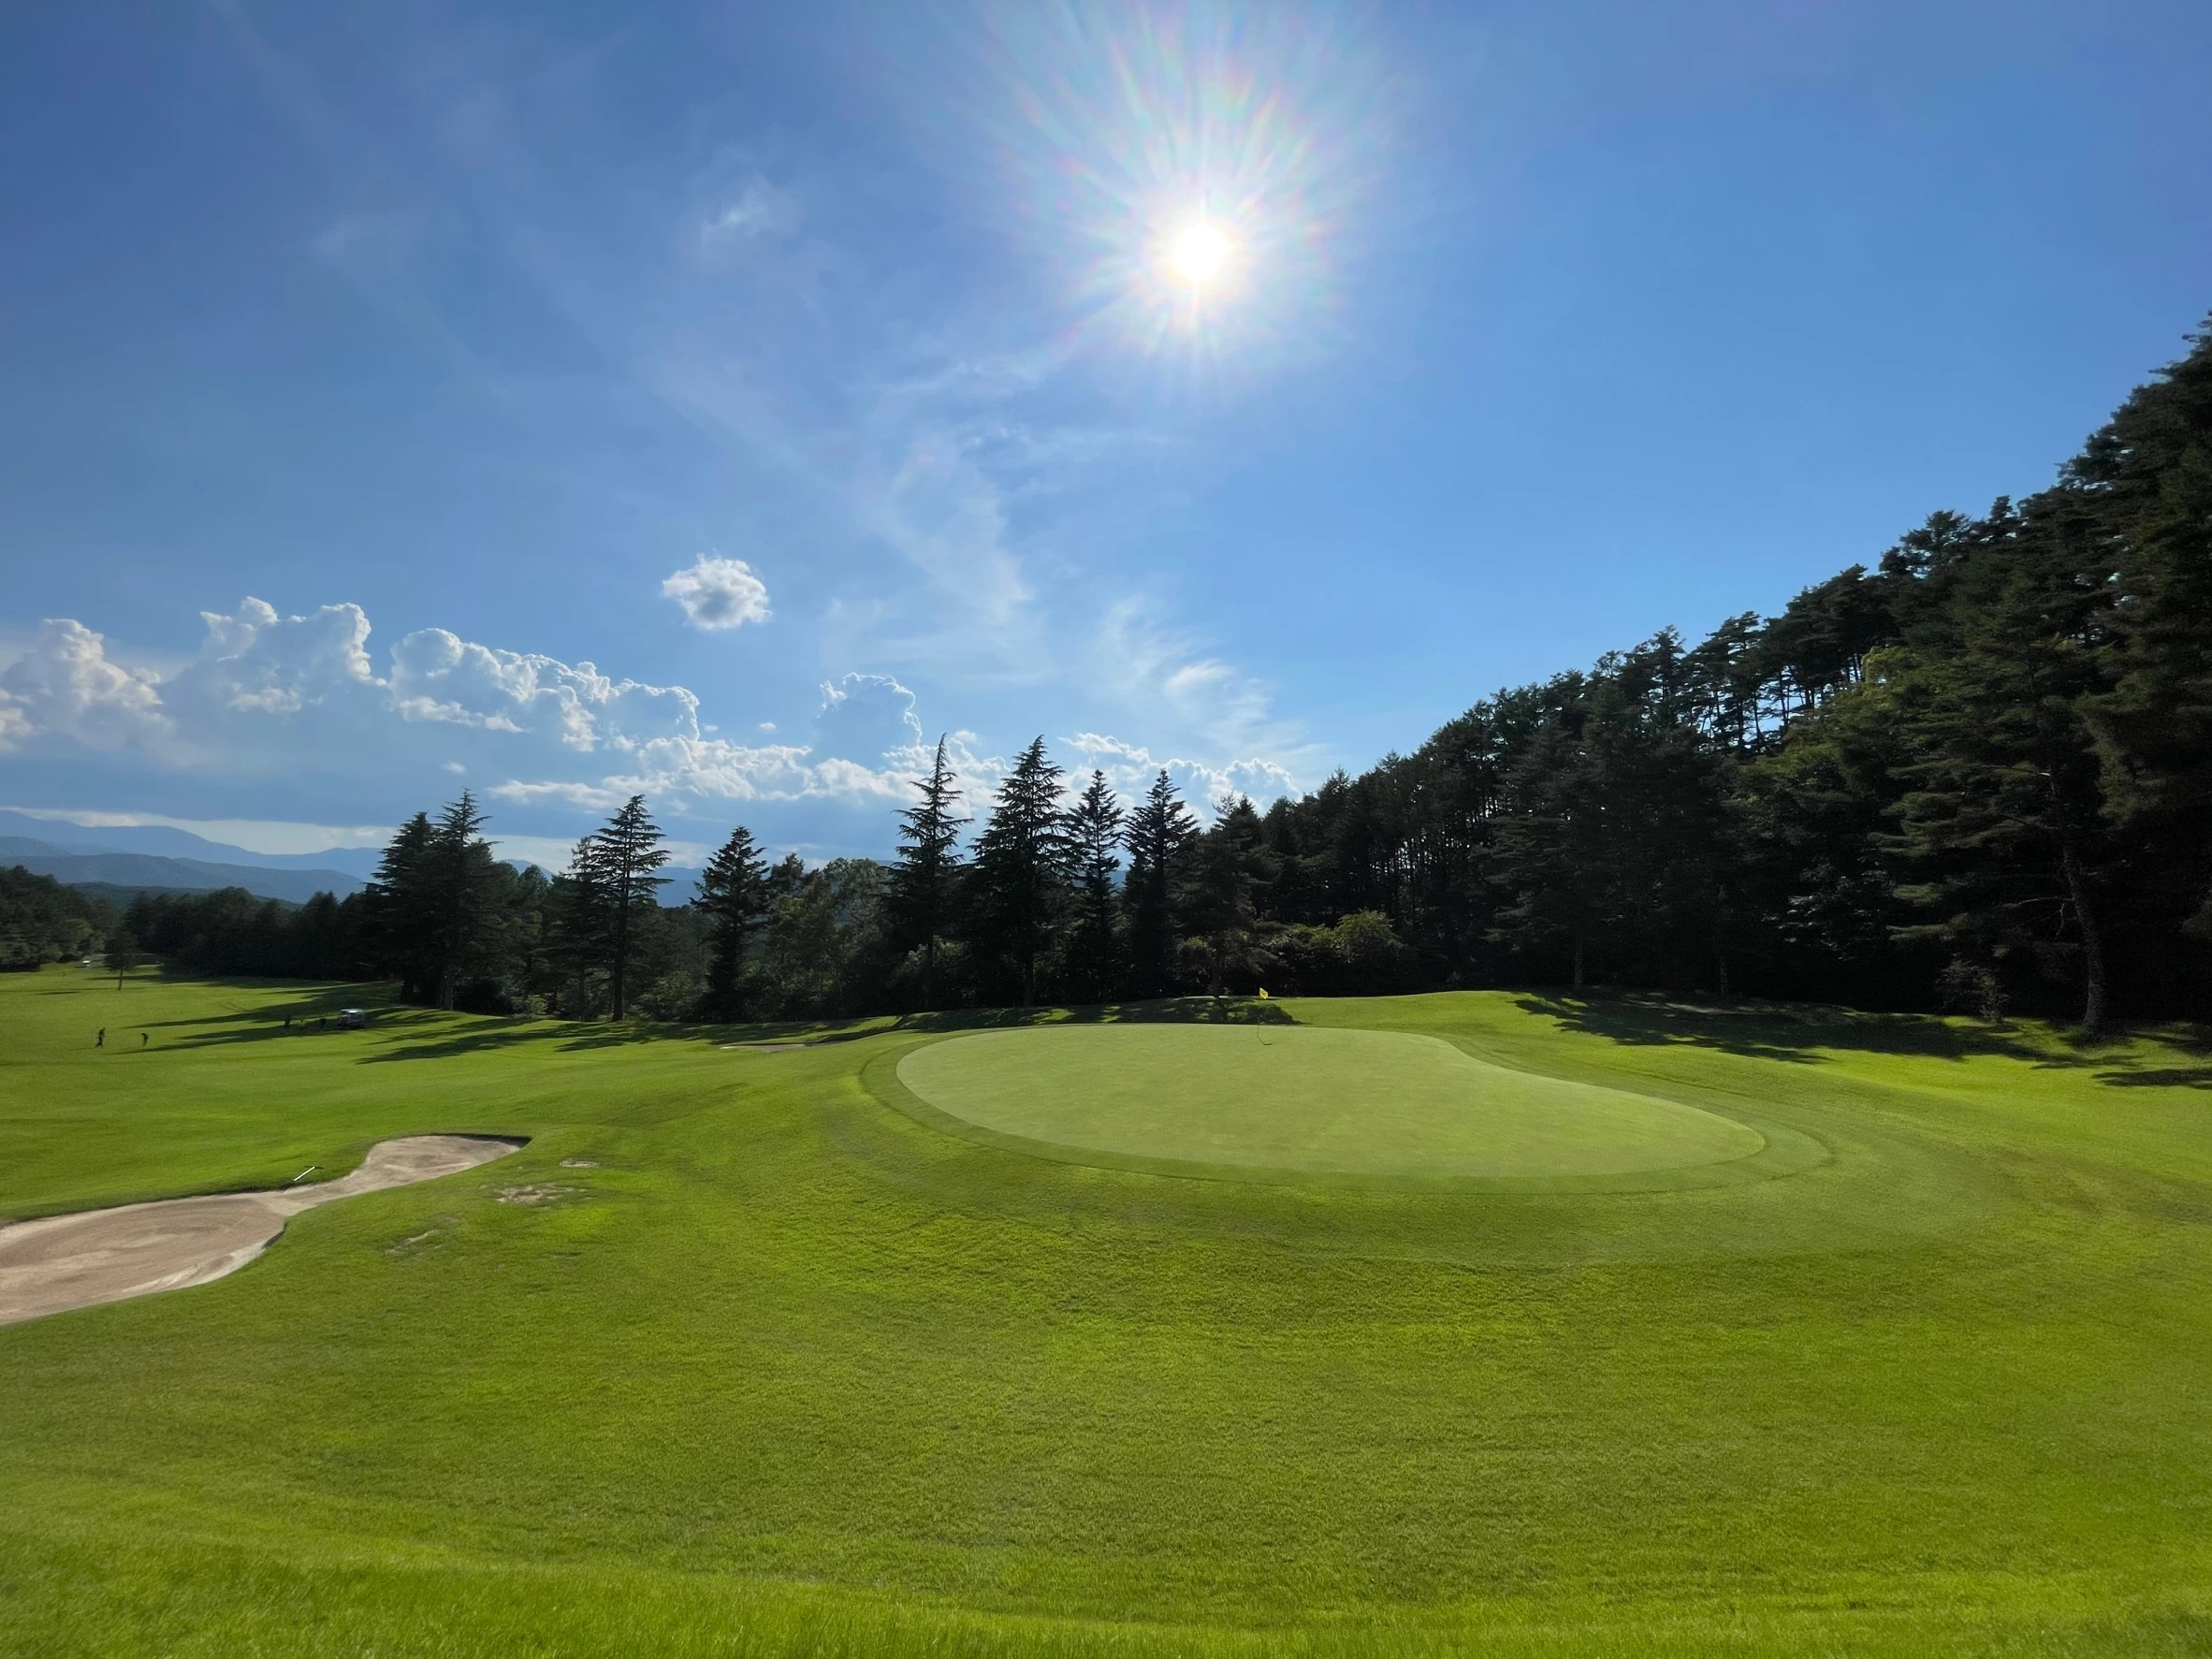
column 1200, row 251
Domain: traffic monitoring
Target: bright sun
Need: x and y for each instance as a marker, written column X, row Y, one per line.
column 1200, row 251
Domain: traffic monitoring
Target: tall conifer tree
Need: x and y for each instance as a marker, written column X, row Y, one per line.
column 1094, row 844
column 1557, row 855
column 581, row 926
column 460, row 880
column 403, row 917
column 1157, row 836
column 1227, row 865
column 924, row 878
column 734, row 899
column 2006, row 814
column 2150, row 471
column 628, row 854
column 1020, row 869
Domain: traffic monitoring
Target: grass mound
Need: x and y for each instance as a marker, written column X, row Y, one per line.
column 1267, row 1100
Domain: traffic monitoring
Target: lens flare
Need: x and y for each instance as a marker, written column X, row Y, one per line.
column 1109, row 123
column 1200, row 251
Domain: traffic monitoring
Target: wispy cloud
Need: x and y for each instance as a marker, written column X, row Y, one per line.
column 952, row 457
column 739, row 216
column 1168, row 677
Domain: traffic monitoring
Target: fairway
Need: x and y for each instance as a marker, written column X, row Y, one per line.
column 757, row 1352
column 1255, row 1100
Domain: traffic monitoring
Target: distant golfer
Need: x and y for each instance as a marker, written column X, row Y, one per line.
column 101, row 1040
column 143, row 1040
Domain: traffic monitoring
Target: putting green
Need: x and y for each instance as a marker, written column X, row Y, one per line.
column 1317, row 1101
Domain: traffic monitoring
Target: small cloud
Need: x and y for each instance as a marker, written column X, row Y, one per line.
column 364, row 247
column 718, row 593
column 767, row 725
column 755, row 211
column 454, row 767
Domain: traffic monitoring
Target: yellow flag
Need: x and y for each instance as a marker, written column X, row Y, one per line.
column 1263, row 993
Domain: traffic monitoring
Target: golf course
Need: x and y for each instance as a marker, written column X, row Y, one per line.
column 1485, row 1322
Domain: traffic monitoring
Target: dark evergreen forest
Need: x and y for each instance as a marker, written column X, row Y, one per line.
column 42, row 921
column 1974, row 773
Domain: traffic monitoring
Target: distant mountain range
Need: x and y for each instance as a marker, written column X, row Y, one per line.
column 159, row 840
column 153, row 855
column 76, row 865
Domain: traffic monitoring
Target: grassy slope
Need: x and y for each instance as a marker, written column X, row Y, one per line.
column 788, row 1370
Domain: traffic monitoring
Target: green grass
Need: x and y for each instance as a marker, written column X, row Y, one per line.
column 1259, row 1102
column 786, row 1370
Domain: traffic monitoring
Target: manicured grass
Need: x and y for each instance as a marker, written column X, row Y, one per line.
column 1265, row 1100
column 782, row 1369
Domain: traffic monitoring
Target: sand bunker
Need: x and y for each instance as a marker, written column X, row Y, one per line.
column 60, row 1262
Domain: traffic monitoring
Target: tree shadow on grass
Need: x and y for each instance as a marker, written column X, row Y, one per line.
column 309, row 1001
column 578, row 1036
column 429, row 1034
column 1178, row 1010
column 1795, row 1035
column 2179, row 1057
column 2168, row 1077
column 1762, row 1032
column 493, row 1033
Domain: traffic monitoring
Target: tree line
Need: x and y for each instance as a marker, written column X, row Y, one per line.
column 1977, row 772
column 42, row 921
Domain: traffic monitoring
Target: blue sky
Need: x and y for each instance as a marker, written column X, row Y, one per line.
column 720, row 401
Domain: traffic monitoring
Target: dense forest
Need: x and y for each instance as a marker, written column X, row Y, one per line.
column 1977, row 774
column 42, row 921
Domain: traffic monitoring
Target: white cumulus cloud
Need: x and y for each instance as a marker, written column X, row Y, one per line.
column 1130, row 769
column 66, row 685
column 718, row 593
column 296, row 695
column 306, row 701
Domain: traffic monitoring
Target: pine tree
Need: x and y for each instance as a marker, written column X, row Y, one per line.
column 1020, row 869
column 1558, row 852
column 924, row 879
column 403, row 918
column 1094, row 826
column 2005, row 814
column 1157, row 836
column 734, row 899
column 629, row 853
column 581, row 927
column 459, row 877
column 2150, row 472
column 1228, row 863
